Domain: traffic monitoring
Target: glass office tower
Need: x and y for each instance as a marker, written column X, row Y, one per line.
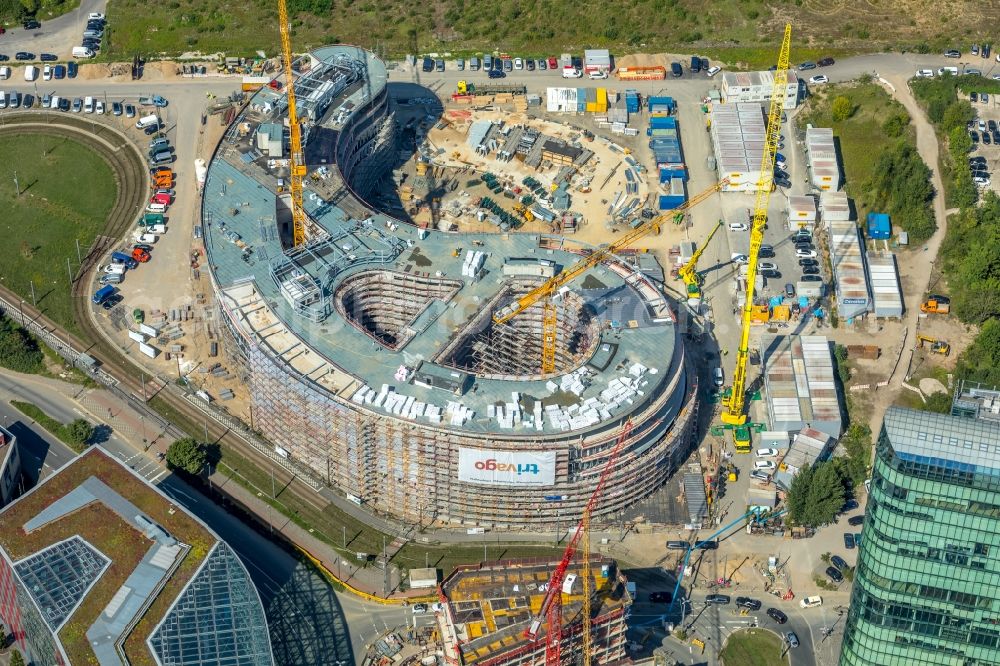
column 927, row 585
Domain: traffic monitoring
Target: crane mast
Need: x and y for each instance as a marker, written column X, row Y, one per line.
column 551, row 608
column 297, row 161
column 735, row 413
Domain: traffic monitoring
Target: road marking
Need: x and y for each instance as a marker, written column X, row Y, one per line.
column 162, row 472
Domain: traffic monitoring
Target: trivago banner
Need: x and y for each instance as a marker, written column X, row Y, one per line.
column 507, row 468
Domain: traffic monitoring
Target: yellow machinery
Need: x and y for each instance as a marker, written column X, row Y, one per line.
column 297, row 162
column 936, row 305
column 689, row 271
column 937, row 346
column 545, row 290
column 735, row 412
column 462, row 88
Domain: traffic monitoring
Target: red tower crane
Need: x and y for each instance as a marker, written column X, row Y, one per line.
column 551, row 608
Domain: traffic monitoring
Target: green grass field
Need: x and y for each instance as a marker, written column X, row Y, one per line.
column 756, row 648
column 736, row 31
column 861, row 136
column 66, row 195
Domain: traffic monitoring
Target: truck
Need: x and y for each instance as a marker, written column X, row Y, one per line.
column 122, row 258
column 150, row 219
column 147, row 121
column 103, row 294
column 152, row 100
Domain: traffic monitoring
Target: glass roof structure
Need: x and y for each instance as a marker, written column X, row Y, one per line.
column 59, row 576
column 217, row 621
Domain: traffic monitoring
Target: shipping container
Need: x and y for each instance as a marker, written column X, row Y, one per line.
column 879, row 226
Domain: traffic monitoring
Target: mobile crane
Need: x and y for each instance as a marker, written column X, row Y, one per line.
column 547, row 289
column 735, row 404
column 297, row 161
column 689, row 271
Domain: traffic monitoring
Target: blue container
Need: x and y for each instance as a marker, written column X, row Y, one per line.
column 669, row 201
column 879, row 226
column 662, row 102
column 662, row 122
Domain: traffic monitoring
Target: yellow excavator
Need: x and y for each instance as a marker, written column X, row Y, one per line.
column 689, row 271
column 937, row 346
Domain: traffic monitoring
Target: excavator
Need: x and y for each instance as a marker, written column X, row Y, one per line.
column 936, row 305
column 689, row 271
column 937, row 346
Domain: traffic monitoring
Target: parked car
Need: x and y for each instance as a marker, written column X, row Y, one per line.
column 812, row 278
column 952, row 53
column 129, row 111
column 116, row 108
column 758, row 475
column 553, row 63
column 789, row 290
column 767, row 453
column 818, row 79
column 597, row 76
column 839, row 562
column 677, row 545
column 712, row 71
column 854, row 521
column 747, row 602
column 777, row 615
column 766, row 266
column 77, row 105
column 419, row 608
column 529, row 64
column 32, row 24
column 825, row 62
column 24, row 55
column 810, row 270
column 676, row 70
column 47, row 73
column 496, row 74
column 720, row 599
column 71, row 70
column 739, row 226
column 508, row 65
column 708, row 544
column 848, row 541
column 764, row 465
column 518, row 63
column 807, row 65
column 810, row 602
column 805, row 254
column 770, row 274
column 717, row 377
column 793, row 640
column 59, row 72
column 48, row 57
column 543, row 64
column 833, row 573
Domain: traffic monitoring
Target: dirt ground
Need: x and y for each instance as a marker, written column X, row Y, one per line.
column 152, row 71
column 605, row 172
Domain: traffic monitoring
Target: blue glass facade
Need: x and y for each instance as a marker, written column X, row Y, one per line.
column 927, row 586
column 217, row 621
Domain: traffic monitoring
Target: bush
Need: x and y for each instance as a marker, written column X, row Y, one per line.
column 16, row 659
column 816, row 496
column 900, row 185
column 842, row 108
column 895, row 125
column 19, row 350
column 937, row 402
column 843, row 366
column 187, row 455
column 79, row 431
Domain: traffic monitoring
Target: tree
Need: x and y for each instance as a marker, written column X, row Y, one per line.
column 896, row 124
column 79, row 431
column 857, row 442
column 816, row 496
column 843, row 366
column 187, row 455
column 19, row 350
column 842, row 108
column 939, row 402
column 16, row 659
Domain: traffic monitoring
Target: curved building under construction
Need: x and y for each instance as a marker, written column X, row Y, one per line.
column 371, row 353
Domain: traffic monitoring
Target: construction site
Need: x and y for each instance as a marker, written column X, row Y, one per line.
column 416, row 369
column 489, row 610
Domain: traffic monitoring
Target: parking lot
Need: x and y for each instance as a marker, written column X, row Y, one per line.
column 985, row 134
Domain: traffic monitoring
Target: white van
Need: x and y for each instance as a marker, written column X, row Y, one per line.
column 156, row 208
column 82, row 52
column 88, row 104
column 4, row 73
column 570, row 72
column 114, row 269
column 148, row 121
column 54, row 104
column 30, row 73
column 948, row 70
column 3, row 100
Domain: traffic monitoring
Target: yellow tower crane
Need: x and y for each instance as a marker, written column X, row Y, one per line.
column 547, row 289
column 735, row 405
column 297, row 161
column 689, row 271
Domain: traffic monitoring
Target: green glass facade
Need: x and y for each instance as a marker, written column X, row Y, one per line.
column 927, row 584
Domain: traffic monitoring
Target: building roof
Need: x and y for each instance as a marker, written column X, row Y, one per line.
column 801, row 390
column 944, row 440
column 249, row 266
column 103, row 556
column 560, row 148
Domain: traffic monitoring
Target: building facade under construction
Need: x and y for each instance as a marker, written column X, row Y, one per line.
column 488, row 608
column 371, row 353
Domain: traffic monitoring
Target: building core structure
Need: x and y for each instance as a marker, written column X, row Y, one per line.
column 487, row 609
column 927, row 588
column 98, row 567
column 370, row 351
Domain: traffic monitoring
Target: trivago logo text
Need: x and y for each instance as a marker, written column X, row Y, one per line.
column 491, row 465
